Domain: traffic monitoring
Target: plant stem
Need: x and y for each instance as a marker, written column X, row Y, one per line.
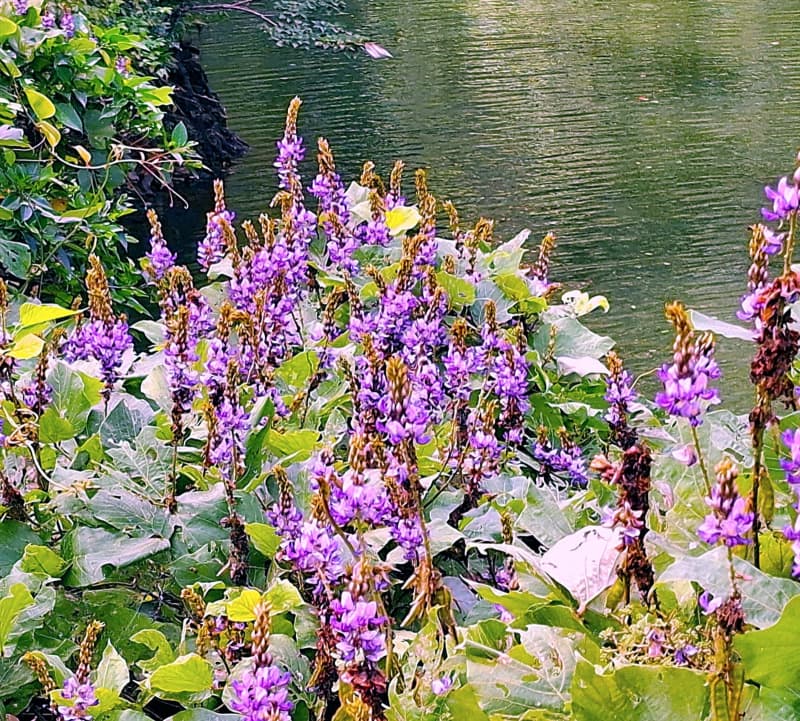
column 700, row 459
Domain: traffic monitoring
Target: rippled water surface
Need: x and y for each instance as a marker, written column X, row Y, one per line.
column 640, row 132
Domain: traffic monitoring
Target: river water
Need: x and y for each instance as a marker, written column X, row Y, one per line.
column 641, row 133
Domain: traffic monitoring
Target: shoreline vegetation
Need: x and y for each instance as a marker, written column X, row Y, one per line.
column 370, row 463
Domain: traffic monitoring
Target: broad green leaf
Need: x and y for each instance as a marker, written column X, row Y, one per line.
column 298, row 369
column 11, row 606
column 513, row 286
column 155, row 641
column 282, row 596
column 91, row 550
column 772, row 656
column 263, row 537
column 459, row 291
column 639, row 693
column 112, row 671
column 41, row 559
column 763, row 597
column 15, row 536
column 294, row 446
column 53, row 428
column 186, row 674
column 15, row 257
column 463, row 705
column 42, row 105
column 180, row 135
column 536, row 673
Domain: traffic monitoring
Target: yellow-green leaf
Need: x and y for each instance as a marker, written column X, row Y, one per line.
column 85, row 157
column 41, row 104
column 31, row 314
column 243, row 607
column 50, row 132
column 29, row 346
column 186, row 674
column 7, row 27
column 263, row 537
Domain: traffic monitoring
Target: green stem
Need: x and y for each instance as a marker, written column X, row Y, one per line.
column 701, row 459
column 787, row 258
column 758, row 449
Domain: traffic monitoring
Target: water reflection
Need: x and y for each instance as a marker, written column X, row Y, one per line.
column 641, row 132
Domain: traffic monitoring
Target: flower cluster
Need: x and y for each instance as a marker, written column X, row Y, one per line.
column 687, row 379
column 105, row 337
column 212, row 248
column 82, row 697
column 729, row 520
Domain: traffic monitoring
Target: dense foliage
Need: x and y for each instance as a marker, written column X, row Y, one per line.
column 78, row 116
column 348, row 476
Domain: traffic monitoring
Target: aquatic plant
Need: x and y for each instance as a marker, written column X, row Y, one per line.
column 364, row 467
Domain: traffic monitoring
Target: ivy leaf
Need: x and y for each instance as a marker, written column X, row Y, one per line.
column 243, row 607
column 282, row 596
column 41, row 559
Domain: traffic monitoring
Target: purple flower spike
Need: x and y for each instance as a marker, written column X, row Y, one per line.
column 791, row 465
column 729, row 520
column 358, row 627
column 263, row 694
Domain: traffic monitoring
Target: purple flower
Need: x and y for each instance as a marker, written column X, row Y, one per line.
column 441, row 686
column 655, row 639
column 48, row 20
column 685, row 653
column 791, row 439
column 123, row 66
column 792, row 534
column 83, row 698
column 708, row 603
column 567, row 459
column 620, row 393
column 21, row 6
column 785, row 199
column 358, row 628
column 315, row 551
column 67, row 23
column 161, row 260
column 262, row 694
column 629, row 520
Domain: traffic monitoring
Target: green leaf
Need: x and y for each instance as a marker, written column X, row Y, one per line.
column 15, row 536
column 11, row 606
column 763, row 597
column 155, row 641
column 53, row 428
column 15, row 257
column 7, row 27
column 772, row 656
column 91, row 550
column 112, row 671
column 243, row 607
column 36, row 314
column 25, row 347
column 463, row 705
column 293, row 446
column 189, row 674
column 537, row 673
column 282, row 596
column 42, row 105
column 263, row 537
column 50, row 132
column 68, row 116
column 639, row 693
column 459, row 291
column 180, row 135
column 298, row 369
column 41, row 559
